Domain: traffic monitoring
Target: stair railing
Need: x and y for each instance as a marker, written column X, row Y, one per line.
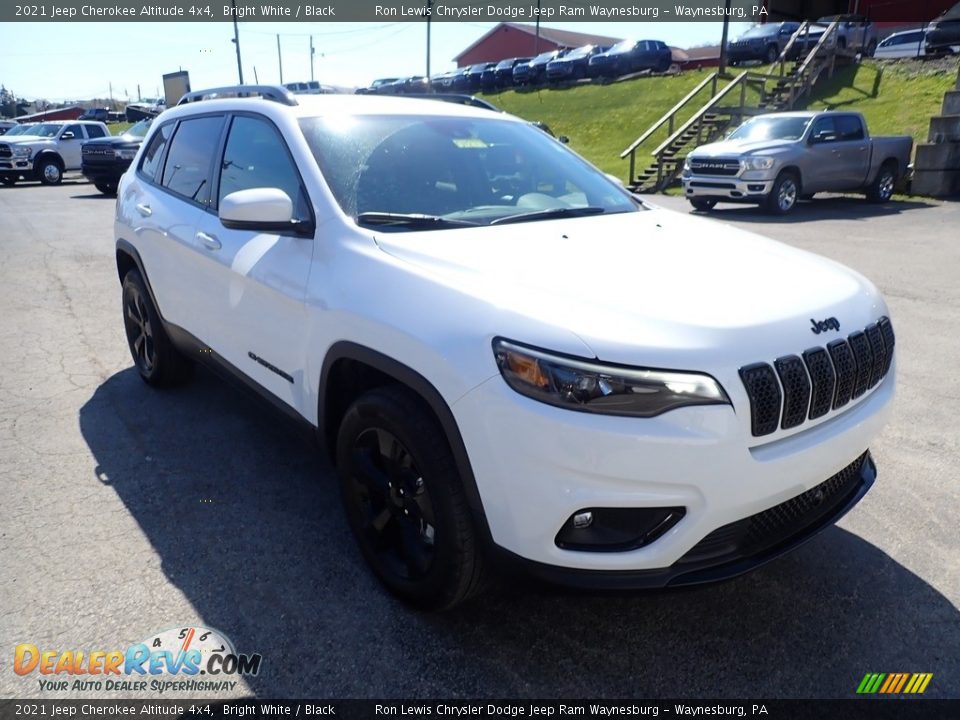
column 667, row 119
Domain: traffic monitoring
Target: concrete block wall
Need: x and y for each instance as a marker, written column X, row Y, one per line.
column 936, row 165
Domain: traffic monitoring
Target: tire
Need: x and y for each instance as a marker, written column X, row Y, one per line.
column 405, row 502
column 157, row 360
column 49, row 171
column 783, row 197
column 881, row 189
column 107, row 188
column 871, row 48
column 772, row 54
column 8, row 180
column 702, row 204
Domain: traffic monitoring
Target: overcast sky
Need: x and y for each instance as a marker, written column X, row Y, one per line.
column 77, row 61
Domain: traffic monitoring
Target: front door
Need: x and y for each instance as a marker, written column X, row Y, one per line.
column 255, row 281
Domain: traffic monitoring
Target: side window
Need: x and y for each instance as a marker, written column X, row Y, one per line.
column 255, row 156
column 188, row 160
column 94, row 131
column 824, row 130
column 849, row 127
column 77, row 131
column 151, row 158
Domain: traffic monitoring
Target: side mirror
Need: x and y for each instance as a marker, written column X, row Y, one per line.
column 823, row 137
column 67, row 136
column 563, row 139
column 264, row 209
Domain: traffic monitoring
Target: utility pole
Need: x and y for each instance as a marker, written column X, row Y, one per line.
column 279, row 58
column 536, row 46
column 722, row 69
column 311, row 58
column 236, row 39
column 429, row 13
column 255, row 78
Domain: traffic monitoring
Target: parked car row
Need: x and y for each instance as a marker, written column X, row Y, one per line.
column 45, row 151
column 551, row 67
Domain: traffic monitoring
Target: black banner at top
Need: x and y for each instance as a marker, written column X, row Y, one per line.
column 436, row 10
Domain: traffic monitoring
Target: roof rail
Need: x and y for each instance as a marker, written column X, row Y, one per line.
column 267, row 92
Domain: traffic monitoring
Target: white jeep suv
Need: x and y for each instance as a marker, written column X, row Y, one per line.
column 511, row 359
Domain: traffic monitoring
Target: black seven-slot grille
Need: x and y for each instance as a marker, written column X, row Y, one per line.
column 824, row 379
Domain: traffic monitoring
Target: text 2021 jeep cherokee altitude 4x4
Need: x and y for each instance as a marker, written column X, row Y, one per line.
column 508, row 355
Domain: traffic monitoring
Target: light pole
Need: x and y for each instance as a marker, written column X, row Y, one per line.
column 429, row 14
column 236, row 39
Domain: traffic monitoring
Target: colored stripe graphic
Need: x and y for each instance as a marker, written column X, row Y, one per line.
column 894, row 683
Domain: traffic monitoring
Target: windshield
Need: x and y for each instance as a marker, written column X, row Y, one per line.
column 464, row 170
column 581, row 51
column 771, row 128
column 20, row 130
column 545, row 57
column 622, row 46
column 45, row 129
column 138, row 130
column 760, row 31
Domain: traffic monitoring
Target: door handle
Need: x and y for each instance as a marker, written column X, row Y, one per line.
column 144, row 210
column 209, row 241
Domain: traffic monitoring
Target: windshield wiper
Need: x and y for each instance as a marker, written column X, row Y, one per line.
column 549, row 213
column 413, row 220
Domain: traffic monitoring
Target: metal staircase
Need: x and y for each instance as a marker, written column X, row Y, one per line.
column 750, row 93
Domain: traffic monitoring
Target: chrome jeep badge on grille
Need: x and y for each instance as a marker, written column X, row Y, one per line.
column 831, row 323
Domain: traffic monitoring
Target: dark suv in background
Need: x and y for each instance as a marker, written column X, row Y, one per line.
column 534, row 72
column 629, row 56
column 574, row 65
column 761, row 42
column 944, row 32
column 104, row 160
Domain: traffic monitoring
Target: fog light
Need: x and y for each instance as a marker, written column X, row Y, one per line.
column 616, row 529
column 582, row 520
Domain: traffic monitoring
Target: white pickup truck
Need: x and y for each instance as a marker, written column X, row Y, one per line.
column 50, row 149
column 778, row 158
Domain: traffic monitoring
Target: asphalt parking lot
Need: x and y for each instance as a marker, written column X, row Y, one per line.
column 127, row 511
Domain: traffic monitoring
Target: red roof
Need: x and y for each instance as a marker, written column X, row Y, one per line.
column 563, row 38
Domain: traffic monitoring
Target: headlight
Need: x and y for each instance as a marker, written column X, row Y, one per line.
column 22, row 152
column 757, row 163
column 600, row 388
column 125, row 153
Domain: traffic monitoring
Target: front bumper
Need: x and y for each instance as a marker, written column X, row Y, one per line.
column 536, row 465
column 720, row 187
column 733, row 549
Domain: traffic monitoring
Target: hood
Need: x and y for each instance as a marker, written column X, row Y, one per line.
column 16, row 139
column 662, row 281
column 115, row 140
column 739, row 147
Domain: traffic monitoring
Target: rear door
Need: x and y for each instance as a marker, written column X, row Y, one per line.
column 171, row 193
column 255, row 281
column 854, row 155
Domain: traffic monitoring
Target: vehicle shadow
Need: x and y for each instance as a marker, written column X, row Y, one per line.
column 246, row 520
column 835, row 207
column 96, row 195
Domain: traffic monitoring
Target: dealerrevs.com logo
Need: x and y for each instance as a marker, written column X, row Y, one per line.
column 186, row 659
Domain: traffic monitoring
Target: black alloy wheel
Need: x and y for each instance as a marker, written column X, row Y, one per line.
column 157, row 360
column 397, row 514
column 405, row 500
